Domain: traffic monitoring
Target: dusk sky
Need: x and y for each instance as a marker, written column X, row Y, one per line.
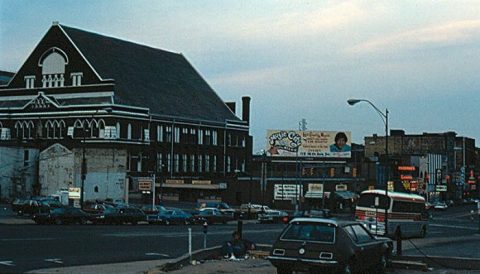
column 296, row 59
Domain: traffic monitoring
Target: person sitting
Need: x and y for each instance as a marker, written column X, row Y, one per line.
column 237, row 247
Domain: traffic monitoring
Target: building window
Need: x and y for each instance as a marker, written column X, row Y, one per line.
column 200, row 163
column 146, row 134
column 168, row 132
column 159, row 133
column 184, row 162
column 214, row 163
column 129, row 132
column 193, row 133
column 229, row 141
column 76, row 78
column 207, row 163
column 30, row 81
column 229, row 163
column 177, row 135
column 192, row 163
column 5, row 134
column 26, row 157
column 243, row 141
column 159, row 162
column 119, row 135
column 208, row 137
column 129, row 161
column 169, row 162
column 200, row 136
column 176, row 163
column 214, row 137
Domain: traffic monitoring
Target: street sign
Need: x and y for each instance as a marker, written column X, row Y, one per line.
column 74, row 192
column 441, row 188
column 144, row 185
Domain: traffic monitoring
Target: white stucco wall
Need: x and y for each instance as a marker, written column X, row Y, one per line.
column 106, row 172
column 56, row 169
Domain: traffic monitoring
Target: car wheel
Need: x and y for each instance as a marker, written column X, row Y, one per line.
column 381, row 267
column 186, row 222
column 167, row 222
column 348, row 268
column 58, row 222
column 284, row 270
column 423, row 233
column 134, row 222
column 82, row 221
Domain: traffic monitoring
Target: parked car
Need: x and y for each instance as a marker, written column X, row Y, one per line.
column 440, row 206
column 223, row 207
column 113, row 215
column 319, row 244
column 171, row 216
column 212, row 216
column 313, row 213
column 271, row 216
column 18, row 204
column 60, row 215
column 150, row 209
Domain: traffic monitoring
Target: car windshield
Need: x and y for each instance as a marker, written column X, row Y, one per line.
column 317, row 232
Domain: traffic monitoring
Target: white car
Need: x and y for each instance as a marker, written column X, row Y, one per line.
column 440, row 206
column 271, row 216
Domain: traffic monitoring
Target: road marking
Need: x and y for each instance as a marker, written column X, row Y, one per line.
column 185, row 234
column 27, row 239
column 56, row 261
column 156, row 254
column 454, row 226
column 7, row 263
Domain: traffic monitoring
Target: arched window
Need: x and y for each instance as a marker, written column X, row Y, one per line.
column 94, row 132
column 101, row 129
column 129, row 132
column 61, row 129
column 118, row 130
column 31, row 129
column 53, row 62
column 49, row 129
column 18, row 130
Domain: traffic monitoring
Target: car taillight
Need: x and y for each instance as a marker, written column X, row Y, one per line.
column 285, row 219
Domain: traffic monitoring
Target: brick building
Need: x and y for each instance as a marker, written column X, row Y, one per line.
column 443, row 159
column 127, row 111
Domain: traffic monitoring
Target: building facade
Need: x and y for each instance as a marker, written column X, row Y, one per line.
column 87, row 110
column 437, row 165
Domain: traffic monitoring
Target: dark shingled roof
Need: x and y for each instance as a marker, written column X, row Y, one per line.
column 5, row 77
column 163, row 81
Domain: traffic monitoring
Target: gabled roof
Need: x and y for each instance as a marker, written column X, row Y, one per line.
column 5, row 77
column 163, row 81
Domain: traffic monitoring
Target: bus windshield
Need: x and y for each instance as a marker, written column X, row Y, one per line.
column 368, row 200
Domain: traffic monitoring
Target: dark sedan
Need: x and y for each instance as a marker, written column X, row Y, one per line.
column 113, row 215
column 212, row 216
column 60, row 215
column 171, row 216
column 318, row 244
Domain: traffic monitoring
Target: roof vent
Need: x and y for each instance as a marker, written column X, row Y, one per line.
column 55, row 23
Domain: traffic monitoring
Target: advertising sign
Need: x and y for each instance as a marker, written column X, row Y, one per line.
column 441, row 188
column 293, row 143
column 74, row 193
column 144, row 185
column 314, row 191
column 287, row 191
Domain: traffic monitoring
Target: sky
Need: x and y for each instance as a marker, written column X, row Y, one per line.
column 296, row 59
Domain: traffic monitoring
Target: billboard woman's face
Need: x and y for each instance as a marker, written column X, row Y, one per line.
column 341, row 142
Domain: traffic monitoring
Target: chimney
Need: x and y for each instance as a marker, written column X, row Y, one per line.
column 231, row 106
column 246, row 109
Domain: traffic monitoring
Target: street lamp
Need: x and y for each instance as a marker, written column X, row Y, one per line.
column 384, row 117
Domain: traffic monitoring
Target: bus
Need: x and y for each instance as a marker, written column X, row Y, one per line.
column 406, row 213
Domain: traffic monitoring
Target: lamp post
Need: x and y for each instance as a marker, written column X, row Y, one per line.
column 384, row 117
column 84, row 167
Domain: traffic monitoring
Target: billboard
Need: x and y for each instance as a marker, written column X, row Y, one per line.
column 293, row 143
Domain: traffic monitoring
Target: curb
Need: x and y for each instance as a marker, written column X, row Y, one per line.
column 443, row 262
column 405, row 262
column 198, row 255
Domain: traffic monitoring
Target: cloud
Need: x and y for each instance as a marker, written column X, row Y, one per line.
column 300, row 23
column 455, row 32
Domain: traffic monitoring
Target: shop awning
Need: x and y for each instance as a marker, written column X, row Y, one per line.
column 194, row 186
column 346, row 195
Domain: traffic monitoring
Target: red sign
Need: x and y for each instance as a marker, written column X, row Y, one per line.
column 406, row 177
column 406, row 168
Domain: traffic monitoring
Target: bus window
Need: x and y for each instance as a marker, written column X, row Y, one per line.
column 368, row 200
